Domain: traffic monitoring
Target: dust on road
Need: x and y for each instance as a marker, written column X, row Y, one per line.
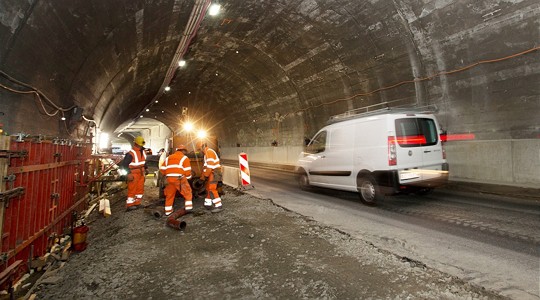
column 252, row 249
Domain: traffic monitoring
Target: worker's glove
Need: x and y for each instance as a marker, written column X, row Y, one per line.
column 130, row 177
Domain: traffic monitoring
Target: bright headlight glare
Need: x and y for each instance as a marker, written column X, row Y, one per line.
column 201, row 134
column 188, row 126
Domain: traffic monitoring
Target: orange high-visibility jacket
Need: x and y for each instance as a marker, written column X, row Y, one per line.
column 138, row 159
column 176, row 165
column 211, row 162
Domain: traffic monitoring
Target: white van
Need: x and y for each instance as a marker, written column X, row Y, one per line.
column 376, row 153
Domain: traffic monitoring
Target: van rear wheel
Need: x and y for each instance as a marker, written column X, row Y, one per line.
column 369, row 190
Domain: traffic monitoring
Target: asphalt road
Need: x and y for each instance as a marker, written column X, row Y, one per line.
column 488, row 240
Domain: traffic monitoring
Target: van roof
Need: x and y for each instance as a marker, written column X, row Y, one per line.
column 364, row 112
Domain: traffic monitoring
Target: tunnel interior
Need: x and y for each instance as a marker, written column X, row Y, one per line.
column 270, row 73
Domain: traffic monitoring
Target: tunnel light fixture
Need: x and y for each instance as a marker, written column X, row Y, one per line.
column 201, row 134
column 214, row 9
column 188, row 126
column 63, row 118
column 236, row 51
column 181, row 63
column 147, row 109
column 140, row 116
column 157, row 101
column 167, row 88
column 103, row 140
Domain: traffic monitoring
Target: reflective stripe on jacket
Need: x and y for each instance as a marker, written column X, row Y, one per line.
column 211, row 162
column 176, row 165
column 138, row 159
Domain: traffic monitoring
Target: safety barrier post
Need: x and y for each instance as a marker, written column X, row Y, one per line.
column 244, row 170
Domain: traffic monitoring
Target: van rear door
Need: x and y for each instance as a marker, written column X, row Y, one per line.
column 418, row 148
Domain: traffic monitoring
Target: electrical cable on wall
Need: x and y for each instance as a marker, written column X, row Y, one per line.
column 37, row 93
column 438, row 74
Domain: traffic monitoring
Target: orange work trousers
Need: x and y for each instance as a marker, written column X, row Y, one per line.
column 177, row 184
column 135, row 188
column 212, row 195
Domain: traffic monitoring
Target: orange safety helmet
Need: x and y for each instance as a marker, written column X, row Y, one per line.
column 181, row 147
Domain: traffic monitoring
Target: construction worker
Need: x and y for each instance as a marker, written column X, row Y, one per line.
column 212, row 175
column 177, row 170
column 134, row 164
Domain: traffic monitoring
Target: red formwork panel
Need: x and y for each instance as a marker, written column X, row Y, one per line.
column 53, row 175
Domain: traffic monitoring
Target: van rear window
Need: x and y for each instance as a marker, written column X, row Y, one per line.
column 416, row 132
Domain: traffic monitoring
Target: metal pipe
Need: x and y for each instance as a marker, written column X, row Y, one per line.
column 172, row 220
column 155, row 211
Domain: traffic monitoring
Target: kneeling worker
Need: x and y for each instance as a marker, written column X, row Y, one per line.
column 177, row 171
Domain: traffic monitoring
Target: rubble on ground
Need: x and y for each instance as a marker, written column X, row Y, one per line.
column 252, row 249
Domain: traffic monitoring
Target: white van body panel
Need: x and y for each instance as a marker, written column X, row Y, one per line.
column 361, row 145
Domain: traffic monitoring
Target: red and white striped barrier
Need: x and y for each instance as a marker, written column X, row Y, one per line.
column 244, row 169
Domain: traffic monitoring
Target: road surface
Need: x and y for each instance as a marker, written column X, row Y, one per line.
column 488, row 240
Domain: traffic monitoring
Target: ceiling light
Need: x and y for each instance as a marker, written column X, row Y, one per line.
column 236, row 51
column 141, row 116
column 181, row 63
column 147, row 109
column 167, row 88
column 63, row 118
column 188, row 126
column 201, row 134
column 214, row 9
column 157, row 101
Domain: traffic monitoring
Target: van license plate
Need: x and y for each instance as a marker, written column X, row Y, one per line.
column 408, row 175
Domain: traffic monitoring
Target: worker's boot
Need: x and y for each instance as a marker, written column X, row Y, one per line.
column 217, row 209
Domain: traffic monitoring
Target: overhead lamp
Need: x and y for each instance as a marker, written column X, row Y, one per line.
column 181, row 63
column 63, row 118
column 188, row 126
column 141, row 116
column 157, row 101
column 147, row 109
column 201, row 134
column 167, row 88
column 214, row 9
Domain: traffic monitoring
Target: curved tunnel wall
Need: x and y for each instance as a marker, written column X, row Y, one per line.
column 267, row 71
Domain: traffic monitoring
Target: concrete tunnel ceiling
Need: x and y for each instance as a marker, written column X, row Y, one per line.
column 271, row 70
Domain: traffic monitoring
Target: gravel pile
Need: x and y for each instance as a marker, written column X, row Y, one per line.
column 252, row 249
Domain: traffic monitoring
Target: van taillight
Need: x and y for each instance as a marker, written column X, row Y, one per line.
column 392, row 158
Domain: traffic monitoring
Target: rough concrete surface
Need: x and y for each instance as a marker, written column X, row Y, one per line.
column 252, row 249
